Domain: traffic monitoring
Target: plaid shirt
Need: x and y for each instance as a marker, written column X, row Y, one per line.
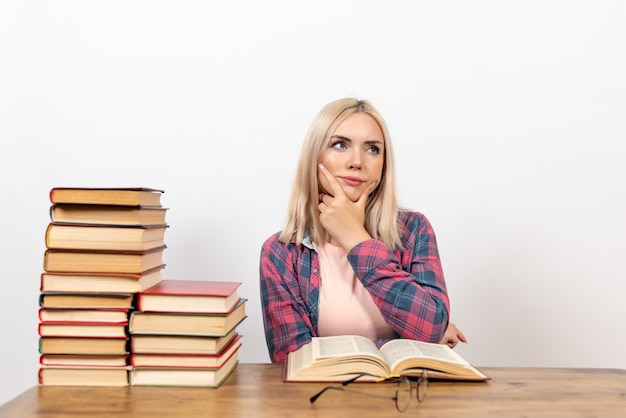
column 407, row 285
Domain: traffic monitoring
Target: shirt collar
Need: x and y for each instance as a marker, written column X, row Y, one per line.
column 306, row 241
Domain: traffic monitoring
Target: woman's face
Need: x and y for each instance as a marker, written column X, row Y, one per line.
column 355, row 155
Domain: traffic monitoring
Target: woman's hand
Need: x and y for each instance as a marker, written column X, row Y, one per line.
column 452, row 336
column 342, row 218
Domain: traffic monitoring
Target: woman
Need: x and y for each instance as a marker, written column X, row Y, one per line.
column 349, row 260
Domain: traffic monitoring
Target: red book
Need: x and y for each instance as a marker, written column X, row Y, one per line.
column 189, row 296
column 186, row 360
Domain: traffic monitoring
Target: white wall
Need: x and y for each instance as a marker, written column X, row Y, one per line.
column 507, row 117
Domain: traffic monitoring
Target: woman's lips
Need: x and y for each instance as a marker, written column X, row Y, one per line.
column 352, row 181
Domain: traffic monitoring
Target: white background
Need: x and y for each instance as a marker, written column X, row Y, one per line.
column 508, row 119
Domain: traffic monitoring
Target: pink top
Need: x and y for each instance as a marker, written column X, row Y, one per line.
column 345, row 307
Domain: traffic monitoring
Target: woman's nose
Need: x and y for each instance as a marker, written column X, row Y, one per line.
column 355, row 161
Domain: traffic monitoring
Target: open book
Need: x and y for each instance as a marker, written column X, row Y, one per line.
column 341, row 357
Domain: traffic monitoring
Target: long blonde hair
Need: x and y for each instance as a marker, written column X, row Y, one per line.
column 381, row 211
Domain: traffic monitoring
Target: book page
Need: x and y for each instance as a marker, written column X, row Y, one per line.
column 342, row 346
column 400, row 349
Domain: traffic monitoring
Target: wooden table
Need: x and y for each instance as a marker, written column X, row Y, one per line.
column 256, row 390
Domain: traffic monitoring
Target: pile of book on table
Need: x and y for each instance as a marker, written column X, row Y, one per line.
column 104, row 248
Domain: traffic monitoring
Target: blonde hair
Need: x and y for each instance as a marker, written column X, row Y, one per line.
column 381, row 211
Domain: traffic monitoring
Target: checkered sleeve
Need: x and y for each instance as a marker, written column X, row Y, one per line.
column 407, row 285
column 287, row 324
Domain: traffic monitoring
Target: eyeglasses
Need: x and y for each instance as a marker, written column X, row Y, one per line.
column 403, row 393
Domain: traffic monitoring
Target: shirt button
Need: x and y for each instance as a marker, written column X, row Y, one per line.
column 315, row 270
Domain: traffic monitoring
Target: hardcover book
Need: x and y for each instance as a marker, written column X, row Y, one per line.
column 124, row 196
column 179, row 344
column 104, row 237
column 108, row 214
column 187, row 324
column 195, row 377
column 84, row 360
column 83, row 315
column 88, row 300
column 193, row 296
column 83, row 376
column 103, row 261
column 85, row 282
column 164, row 359
column 78, row 345
column 84, row 330
column 341, row 357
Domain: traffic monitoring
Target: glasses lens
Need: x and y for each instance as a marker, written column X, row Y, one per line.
column 422, row 387
column 403, row 394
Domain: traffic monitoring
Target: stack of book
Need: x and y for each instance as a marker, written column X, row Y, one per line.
column 103, row 247
column 184, row 333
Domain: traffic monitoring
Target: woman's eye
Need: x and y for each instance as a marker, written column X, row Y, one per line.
column 373, row 149
column 339, row 145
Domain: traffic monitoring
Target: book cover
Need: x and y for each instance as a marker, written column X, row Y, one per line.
column 102, row 261
column 86, row 300
column 79, row 345
column 83, row 376
column 62, row 315
column 108, row 214
column 83, row 329
column 104, row 237
column 178, row 360
column 193, row 377
column 179, row 344
column 123, row 196
column 171, row 323
column 84, row 360
column 98, row 282
column 199, row 296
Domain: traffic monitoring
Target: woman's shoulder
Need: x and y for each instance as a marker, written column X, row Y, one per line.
column 273, row 240
column 414, row 222
column 409, row 216
column 273, row 243
column 275, row 249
